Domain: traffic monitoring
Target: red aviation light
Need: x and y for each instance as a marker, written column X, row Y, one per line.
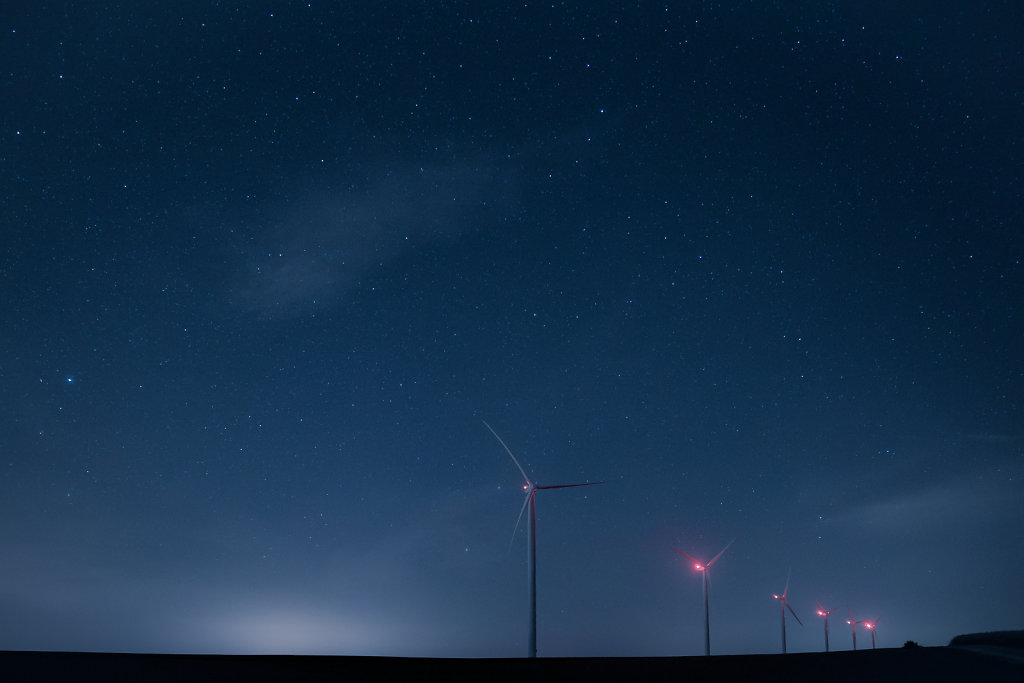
column 698, row 567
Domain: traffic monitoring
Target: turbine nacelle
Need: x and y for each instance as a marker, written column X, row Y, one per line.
column 700, row 566
column 822, row 612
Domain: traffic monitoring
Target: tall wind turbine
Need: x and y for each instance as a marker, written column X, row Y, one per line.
column 822, row 612
column 853, row 626
column 784, row 605
column 704, row 569
column 871, row 626
column 531, row 489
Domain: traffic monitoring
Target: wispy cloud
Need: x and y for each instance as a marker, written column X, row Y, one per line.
column 329, row 242
column 937, row 508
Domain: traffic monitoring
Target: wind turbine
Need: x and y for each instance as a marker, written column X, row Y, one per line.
column 871, row 626
column 531, row 489
column 783, row 605
column 822, row 612
column 853, row 626
column 704, row 569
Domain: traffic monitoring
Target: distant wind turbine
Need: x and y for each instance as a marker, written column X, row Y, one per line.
column 704, row 568
column 784, row 605
column 531, row 489
column 872, row 626
column 853, row 626
column 822, row 612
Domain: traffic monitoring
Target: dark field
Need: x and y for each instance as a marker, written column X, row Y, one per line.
column 910, row 664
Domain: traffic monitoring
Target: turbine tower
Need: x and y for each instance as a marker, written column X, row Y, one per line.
column 531, row 489
column 853, row 626
column 704, row 569
column 822, row 612
column 783, row 606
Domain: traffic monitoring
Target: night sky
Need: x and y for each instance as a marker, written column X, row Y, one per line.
column 267, row 268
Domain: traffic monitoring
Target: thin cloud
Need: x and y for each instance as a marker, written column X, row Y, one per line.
column 330, row 243
column 937, row 508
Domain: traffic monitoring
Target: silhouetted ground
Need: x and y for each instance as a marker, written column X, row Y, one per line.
column 898, row 665
column 1005, row 644
column 1013, row 639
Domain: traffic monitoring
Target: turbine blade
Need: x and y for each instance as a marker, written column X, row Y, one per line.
column 520, row 518
column 715, row 558
column 786, row 590
column 790, row 608
column 507, row 450
column 568, row 486
column 689, row 557
column 820, row 606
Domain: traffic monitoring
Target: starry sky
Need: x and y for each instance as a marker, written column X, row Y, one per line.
column 266, row 268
